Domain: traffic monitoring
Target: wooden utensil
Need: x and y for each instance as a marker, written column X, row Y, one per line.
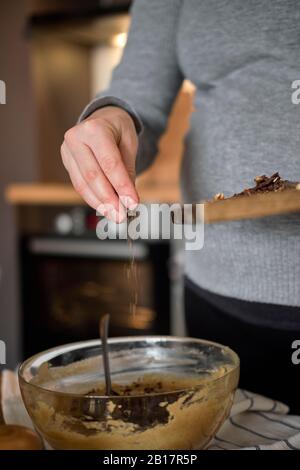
column 254, row 206
column 242, row 207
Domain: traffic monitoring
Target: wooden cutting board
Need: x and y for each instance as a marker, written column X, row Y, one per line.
column 252, row 207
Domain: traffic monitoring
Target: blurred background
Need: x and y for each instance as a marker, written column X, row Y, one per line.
column 56, row 277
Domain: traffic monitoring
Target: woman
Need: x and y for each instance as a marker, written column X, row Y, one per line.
column 243, row 287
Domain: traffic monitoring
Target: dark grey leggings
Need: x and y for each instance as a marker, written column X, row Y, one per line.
column 265, row 352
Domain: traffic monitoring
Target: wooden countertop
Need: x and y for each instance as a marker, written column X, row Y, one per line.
column 64, row 194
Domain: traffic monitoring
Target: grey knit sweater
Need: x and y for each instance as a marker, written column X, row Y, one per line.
column 242, row 56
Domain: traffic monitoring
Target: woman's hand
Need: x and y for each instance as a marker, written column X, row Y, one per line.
column 99, row 154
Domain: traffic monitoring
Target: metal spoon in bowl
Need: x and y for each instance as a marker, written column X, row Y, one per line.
column 103, row 327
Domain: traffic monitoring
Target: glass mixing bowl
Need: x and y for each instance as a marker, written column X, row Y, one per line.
column 173, row 393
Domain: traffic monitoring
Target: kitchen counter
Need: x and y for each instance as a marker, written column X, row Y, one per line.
column 64, row 194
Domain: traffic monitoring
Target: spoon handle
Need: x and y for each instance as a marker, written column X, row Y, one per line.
column 104, row 324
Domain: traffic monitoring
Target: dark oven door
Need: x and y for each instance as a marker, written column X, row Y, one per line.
column 68, row 283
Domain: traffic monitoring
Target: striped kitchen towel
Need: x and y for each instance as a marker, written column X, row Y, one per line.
column 255, row 422
column 258, row 423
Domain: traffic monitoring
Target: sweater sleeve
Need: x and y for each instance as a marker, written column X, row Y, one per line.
column 148, row 77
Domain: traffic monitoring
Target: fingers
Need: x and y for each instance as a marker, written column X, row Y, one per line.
column 111, row 162
column 99, row 155
column 89, row 181
column 78, row 182
column 94, row 177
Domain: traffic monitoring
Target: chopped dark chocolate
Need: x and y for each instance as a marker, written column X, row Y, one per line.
column 263, row 184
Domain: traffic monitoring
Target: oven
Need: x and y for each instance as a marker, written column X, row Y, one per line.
column 70, row 281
